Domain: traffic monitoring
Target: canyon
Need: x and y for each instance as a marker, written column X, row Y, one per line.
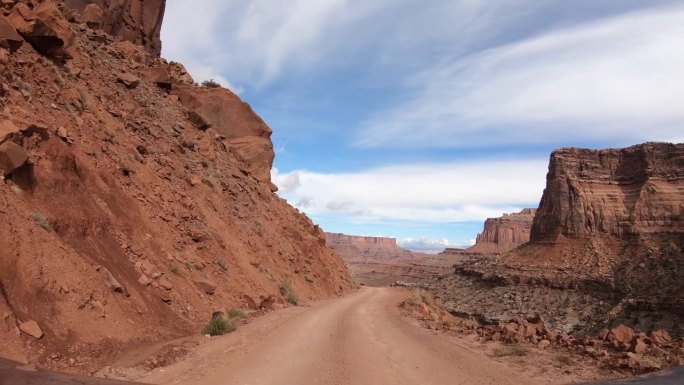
column 134, row 203
column 137, row 207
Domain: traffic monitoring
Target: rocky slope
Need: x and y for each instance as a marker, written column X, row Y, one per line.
column 606, row 246
column 128, row 213
column 504, row 233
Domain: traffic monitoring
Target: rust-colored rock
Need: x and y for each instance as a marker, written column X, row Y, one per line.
column 231, row 117
column 44, row 28
column 93, row 16
column 613, row 192
column 504, row 233
column 621, row 334
column 9, row 38
column 12, row 156
column 137, row 21
column 31, row 328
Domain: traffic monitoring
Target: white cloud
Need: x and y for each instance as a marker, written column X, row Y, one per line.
column 425, row 245
column 618, row 79
column 256, row 42
column 434, row 192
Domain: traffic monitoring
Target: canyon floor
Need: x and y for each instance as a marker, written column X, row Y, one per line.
column 358, row 339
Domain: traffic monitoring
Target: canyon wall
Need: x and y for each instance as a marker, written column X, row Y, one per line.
column 127, row 217
column 365, row 249
column 613, row 192
column 504, row 233
column 610, row 219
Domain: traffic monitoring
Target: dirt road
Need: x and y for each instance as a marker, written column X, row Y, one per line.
column 359, row 339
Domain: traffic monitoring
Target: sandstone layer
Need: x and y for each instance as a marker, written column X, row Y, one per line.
column 126, row 218
column 609, row 222
column 136, row 21
column 504, row 233
column 354, row 248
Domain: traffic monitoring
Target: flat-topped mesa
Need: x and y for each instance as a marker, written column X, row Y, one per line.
column 137, row 21
column 611, row 219
column 504, row 233
column 612, row 192
column 362, row 248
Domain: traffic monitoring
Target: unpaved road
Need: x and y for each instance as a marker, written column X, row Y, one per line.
column 360, row 339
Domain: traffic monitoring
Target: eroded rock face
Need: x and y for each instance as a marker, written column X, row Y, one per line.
column 137, row 21
column 231, row 117
column 358, row 248
column 615, row 192
column 504, row 233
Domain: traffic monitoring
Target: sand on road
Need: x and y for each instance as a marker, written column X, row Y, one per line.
column 359, row 339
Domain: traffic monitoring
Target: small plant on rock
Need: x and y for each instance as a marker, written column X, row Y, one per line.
column 288, row 292
column 211, row 83
column 236, row 313
column 40, row 219
column 218, row 325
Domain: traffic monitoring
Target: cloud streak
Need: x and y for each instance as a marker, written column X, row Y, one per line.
column 619, row 77
column 433, row 192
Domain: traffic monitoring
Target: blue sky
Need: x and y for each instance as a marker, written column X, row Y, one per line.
column 419, row 119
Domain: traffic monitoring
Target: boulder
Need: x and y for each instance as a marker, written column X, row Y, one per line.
column 31, row 328
column 621, row 334
column 93, row 16
column 638, row 345
column 158, row 75
column 206, row 286
column 12, row 156
column 8, row 130
column 9, row 38
column 661, row 337
column 246, row 133
column 38, row 32
column 129, row 80
column 165, row 283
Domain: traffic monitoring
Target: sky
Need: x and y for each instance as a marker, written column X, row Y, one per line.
column 420, row 119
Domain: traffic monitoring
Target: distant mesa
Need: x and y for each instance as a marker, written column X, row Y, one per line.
column 366, row 249
column 504, row 233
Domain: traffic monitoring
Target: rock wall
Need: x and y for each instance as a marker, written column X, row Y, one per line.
column 613, row 192
column 609, row 220
column 126, row 218
column 504, row 233
column 359, row 248
column 137, row 21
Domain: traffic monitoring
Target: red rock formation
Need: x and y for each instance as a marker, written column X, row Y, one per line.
column 121, row 222
column 365, row 249
column 244, row 130
column 137, row 21
column 614, row 192
column 504, row 233
column 612, row 218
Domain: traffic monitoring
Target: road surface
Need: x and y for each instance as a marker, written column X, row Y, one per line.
column 360, row 339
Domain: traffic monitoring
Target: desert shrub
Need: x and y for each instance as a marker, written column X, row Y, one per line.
column 222, row 264
column 174, row 269
column 218, row 325
column 236, row 313
column 211, row 83
column 40, row 219
column 288, row 292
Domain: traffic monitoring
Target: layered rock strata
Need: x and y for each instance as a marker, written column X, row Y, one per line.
column 504, row 233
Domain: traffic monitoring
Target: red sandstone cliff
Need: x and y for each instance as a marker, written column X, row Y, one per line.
column 610, row 217
column 366, row 249
column 126, row 216
column 504, row 233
